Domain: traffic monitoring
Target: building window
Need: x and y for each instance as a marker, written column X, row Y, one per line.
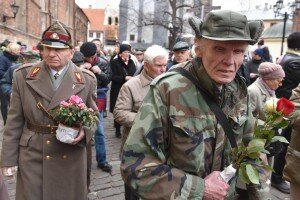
column 116, row 21
column 109, row 20
column 132, row 37
column 91, row 34
column 98, row 34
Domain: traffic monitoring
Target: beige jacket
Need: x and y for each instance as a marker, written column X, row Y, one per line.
column 258, row 96
column 129, row 100
column 48, row 168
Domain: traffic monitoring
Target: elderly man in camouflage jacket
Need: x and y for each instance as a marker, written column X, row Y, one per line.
column 176, row 147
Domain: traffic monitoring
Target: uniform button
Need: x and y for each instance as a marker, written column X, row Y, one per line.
column 48, row 142
column 48, row 157
column 65, row 156
column 48, row 125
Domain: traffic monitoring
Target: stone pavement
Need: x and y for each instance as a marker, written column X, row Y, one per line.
column 105, row 186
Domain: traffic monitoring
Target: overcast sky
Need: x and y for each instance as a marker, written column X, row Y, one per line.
column 225, row 4
column 242, row 4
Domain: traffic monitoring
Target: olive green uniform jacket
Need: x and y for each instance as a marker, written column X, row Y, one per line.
column 292, row 167
column 176, row 141
column 48, row 168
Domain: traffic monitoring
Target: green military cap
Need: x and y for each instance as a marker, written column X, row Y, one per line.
column 57, row 36
column 225, row 25
column 181, row 46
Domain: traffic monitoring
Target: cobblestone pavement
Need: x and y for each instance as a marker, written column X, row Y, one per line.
column 105, row 186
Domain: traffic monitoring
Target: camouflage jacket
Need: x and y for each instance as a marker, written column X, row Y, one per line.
column 176, row 141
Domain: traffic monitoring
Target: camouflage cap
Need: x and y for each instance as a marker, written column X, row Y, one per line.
column 225, row 25
column 57, row 36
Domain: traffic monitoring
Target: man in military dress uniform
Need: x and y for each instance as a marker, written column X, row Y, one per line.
column 47, row 169
column 176, row 147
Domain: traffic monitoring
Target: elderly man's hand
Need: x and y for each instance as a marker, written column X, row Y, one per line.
column 215, row 188
column 9, row 171
column 79, row 137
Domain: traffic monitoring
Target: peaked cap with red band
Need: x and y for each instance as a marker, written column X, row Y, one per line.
column 57, row 36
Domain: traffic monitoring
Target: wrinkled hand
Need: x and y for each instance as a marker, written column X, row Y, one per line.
column 86, row 65
column 96, row 70
column 9, row 171
column 215, row 188
column 79, row 137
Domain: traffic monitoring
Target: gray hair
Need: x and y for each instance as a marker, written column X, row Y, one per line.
column 155, row 51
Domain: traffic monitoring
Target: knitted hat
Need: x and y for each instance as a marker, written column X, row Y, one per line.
column 88, row 49
column 78, row 58
column 293, row 41
column 268, row 70
column 124, row 47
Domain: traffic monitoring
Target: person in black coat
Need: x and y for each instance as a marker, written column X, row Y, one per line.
column 122, row 69
column 290, row 63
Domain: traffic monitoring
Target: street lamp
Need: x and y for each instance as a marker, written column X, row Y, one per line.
column 15, row 9
column 277, row 8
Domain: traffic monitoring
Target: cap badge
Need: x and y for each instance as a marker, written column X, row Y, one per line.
column 78, row 77
column 34, row 72
column 54, row 36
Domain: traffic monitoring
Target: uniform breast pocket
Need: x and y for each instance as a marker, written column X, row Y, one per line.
column 187, row 140
column 238, row 122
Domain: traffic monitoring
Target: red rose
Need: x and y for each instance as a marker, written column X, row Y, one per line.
column 285, row 106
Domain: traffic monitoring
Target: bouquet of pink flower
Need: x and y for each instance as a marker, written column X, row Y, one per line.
column 246, row 158
column 71, row 115
column 74, row 113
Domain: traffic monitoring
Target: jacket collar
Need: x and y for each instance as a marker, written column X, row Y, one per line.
column 145, row 78
column 39, row 80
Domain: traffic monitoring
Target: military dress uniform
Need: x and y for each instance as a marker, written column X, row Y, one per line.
column 48, row 168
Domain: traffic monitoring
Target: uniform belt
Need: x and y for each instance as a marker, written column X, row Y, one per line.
column 45, row 129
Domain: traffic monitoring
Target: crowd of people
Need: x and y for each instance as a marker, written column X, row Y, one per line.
column 165, row 105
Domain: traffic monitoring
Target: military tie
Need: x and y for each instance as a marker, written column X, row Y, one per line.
column 56, row 75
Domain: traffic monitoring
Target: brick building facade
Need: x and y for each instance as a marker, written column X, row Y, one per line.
column 34, row 16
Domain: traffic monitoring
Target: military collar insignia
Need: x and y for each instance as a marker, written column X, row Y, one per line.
column 54, row 36
column 78, row 77
column 34, row 72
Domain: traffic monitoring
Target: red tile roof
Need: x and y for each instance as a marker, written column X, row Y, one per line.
column 96, row 17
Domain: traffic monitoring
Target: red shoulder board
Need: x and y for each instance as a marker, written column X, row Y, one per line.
column 34, row 72
column 78, row 77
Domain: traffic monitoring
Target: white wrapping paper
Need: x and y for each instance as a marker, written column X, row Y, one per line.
column 228, row 173
column 66, row 134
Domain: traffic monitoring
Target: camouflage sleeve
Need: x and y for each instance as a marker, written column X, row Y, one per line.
column 144, row 162
column 295, row 116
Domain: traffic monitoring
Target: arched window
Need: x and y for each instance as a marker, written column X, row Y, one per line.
column 109, row 20
column 116, row 20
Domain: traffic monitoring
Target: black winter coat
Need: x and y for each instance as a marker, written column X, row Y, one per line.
column 119, row 70
column 291, row 66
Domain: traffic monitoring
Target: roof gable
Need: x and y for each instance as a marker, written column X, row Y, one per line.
column 96, row 18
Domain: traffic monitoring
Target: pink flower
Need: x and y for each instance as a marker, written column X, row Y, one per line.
column 90, row 110
column 81, row 106
column 64, row 104
column 74, row 99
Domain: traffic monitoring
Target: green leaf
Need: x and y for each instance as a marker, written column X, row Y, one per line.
column 256, row 145
column 252, row 174
column 280, row 139
column 254, row 155
column 243, row 175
